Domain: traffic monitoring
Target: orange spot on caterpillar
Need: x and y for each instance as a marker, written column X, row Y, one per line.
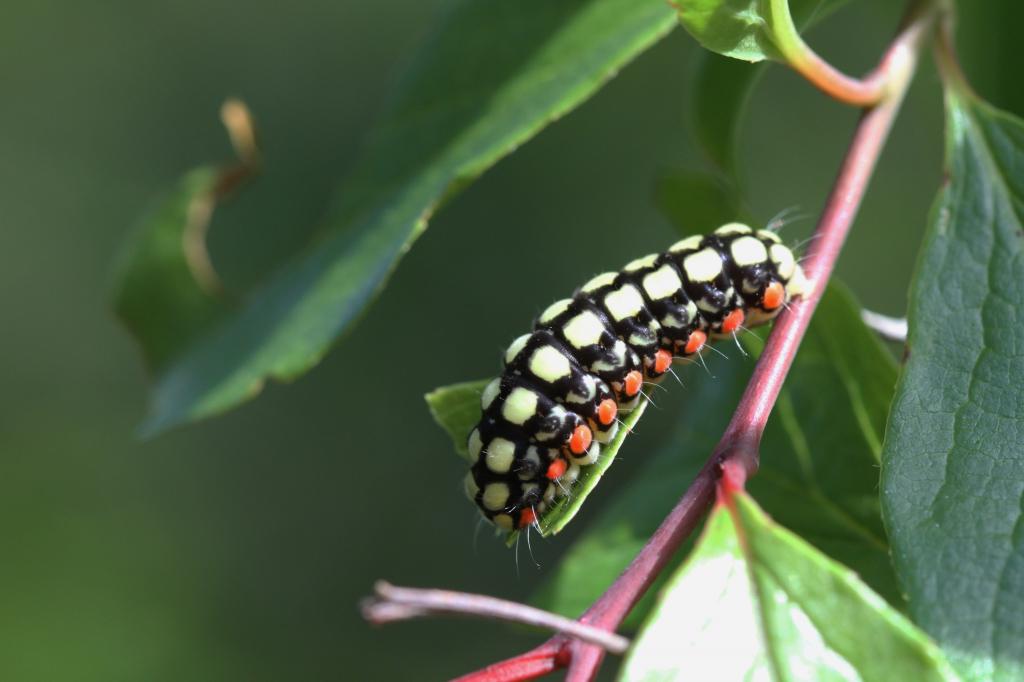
column 527, row 517
column 662, row 361
column 732, row 321
column 695, row 342
column 774, row 295
column 633, row 382
column 579, row 442
column 606, row 411
column 556, row 469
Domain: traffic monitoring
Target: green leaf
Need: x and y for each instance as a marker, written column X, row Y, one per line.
column 819, row 459
column 746, row 29
column 697, row 202
column 754, row 601
column 456, row 409
column 490, row 79
column 953, row 466
column 163, row 290
column 722, row 87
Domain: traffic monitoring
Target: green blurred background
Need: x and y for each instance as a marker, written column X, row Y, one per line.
column 237, row 549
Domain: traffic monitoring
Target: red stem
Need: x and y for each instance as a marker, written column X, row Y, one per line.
column 742, row 437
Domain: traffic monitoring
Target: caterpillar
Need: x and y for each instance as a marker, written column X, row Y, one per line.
column 587, row 358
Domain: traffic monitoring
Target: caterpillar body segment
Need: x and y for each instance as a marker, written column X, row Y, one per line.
column 565, row 383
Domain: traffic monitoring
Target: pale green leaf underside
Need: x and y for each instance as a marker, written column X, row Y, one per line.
column 156, row 292
column 953, row 465
column 754, row 601
column 494, row 75
column 456, row 409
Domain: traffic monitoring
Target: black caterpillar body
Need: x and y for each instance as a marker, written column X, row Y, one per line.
column 589, row 355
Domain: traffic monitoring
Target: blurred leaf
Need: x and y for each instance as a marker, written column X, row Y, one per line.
column 953, row 466
column 697, row 202
column 819, row 460
column 743, row 29
column 722, row 87
column 754, row 601
column 490, row 79
column 165, row 288
column 164, row 291
column 456, row 409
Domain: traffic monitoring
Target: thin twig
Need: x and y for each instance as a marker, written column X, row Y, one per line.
column 242, row 131
column 739, row 443
column 890, row 328
column 402, row 603
column 860, row 92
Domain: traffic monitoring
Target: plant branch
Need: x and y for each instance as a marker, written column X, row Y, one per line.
column 402, row 603
column 737, row 452
column 861, row 92
column 889, row 328
column 738, row 448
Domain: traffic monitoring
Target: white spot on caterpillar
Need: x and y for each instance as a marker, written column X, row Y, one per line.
column 602, row 280
column 662, row 283
column 503, row 521
column 560, row 415
column 532, row 459
column 520, row 405
column 641, row 263
column 748, row 251
column 590, row 388
column 548, row 364
column 703, row 266
column 491, row 391
column 495, row 496
column 624, row 302
column 470, row 486
column 688, row 244
column 733, row 228
column 798, row 285
column 641, row 340
column 475, row 444
column 707, row 306
column 583, row 330
column 673, row 322
column 515, row 348
column 785, row 264
column 769, row 235
column 554, row 310
column 500, row 454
